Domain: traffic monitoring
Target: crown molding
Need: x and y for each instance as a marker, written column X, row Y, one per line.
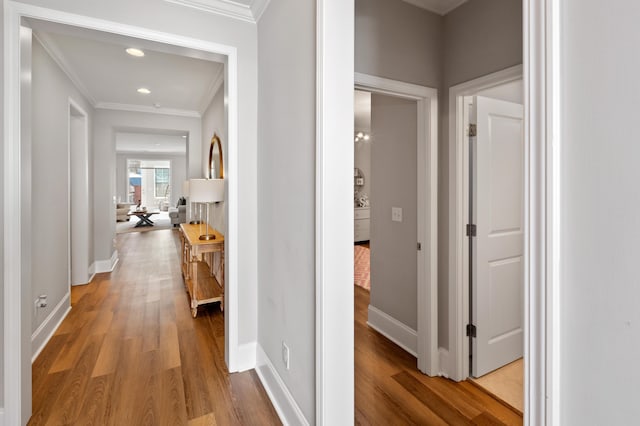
column 228, row 8
column 147, row 109
column 436, row 6
column 215, row 85
column 54, row 52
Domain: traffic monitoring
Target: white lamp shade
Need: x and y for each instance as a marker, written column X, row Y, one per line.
column 185, row 188
column 206, row 190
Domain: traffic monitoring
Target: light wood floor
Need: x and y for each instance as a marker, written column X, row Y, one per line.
column 506, row 383
column 391, row 391
column 129, row 353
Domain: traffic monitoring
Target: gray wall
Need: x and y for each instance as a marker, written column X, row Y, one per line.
column 394, row 184
column 286, row 183
column 2, row 212
column 599, row 286
column 399, row 41
column 480, row 37
column 214, row 120
column 50, row 173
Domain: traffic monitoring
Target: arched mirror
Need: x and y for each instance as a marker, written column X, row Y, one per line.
column 216, row 165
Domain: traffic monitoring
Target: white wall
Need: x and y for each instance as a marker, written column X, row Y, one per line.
column 50, row 173
column 286, row 182
column 599, row 288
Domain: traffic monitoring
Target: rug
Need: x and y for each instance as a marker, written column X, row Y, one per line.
column 161, row 221
column 361, row 267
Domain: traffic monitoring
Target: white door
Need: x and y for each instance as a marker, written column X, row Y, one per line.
column 497, row 194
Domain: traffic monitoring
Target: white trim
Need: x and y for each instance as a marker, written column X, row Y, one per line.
column 107, row 265
column 258, row 7
column 54, row 52
column 542, row 219
column 436, row 6
column 215, row 85
column 1, row 416
column 148, row 109
column 394, row 330
column 231, row 9
column 45, row 331
column 282, row 400
column 458, row 204
column 427, row 200
column 334, row 351
column 445, row 360
column 247, row 356
column 13, row 256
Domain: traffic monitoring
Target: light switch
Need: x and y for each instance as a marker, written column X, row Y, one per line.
column 396, row 214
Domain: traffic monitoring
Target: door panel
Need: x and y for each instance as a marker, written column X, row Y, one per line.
column 497, row 211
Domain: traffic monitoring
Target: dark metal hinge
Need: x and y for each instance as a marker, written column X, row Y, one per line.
column 471, row 330
column 471, row 230
column 472, row 130
column 419, row 246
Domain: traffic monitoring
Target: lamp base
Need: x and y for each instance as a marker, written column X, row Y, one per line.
column 207, row 237
column 195, row 222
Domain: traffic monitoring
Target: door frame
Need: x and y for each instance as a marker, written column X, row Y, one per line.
column 17, row 401
column 459, row 203
column 427, row 201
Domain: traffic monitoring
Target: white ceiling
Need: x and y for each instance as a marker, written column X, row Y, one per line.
column 149, row 142
column 182, row 82
column 441, row 7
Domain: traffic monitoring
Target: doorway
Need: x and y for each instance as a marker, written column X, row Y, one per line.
column 490, row 131
column 81, row 271
column 422, row 341
column 17, row 365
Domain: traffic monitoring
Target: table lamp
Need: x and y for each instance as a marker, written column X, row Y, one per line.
column 206, row 191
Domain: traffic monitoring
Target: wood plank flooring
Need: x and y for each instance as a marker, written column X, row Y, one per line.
column 391, row 391
column 129, row 352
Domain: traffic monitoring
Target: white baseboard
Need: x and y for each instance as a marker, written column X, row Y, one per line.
column 43, row 333
column 246, row 356
column 282, row 400
column 106, row 265
column 394, row 330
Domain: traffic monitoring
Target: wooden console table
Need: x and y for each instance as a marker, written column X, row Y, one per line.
column 200, row 281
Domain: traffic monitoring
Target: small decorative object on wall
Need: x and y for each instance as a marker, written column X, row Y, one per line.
column 362, row 200
column 216, row 163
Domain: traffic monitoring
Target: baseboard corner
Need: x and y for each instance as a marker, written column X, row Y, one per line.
column 394, row 330
column 45, row 331
column 107, row 265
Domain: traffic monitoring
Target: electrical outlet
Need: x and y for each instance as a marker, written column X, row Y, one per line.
column 285, row 355
column 396, row 214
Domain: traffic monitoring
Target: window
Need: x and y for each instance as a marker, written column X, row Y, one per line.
column 162, row 183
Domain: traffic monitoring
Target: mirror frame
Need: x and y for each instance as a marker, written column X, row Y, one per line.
column 215, row 140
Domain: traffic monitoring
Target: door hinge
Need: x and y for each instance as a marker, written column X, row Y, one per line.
column 471, row 330
column 471, row 230
column 472, row 130
column 419, row 246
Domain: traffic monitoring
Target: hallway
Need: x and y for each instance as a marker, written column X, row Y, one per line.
column 129, row 352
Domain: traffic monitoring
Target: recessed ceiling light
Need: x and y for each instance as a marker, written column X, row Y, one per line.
column 134, row 52
column 184, row 136
column 144, row 91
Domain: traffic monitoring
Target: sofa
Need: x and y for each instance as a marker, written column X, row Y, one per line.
column 121, row 212
column 178, row 214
